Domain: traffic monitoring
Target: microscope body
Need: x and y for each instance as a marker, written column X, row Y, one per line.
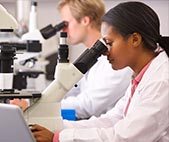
column 7, row 54
column 7, row 24
column 47, row 111
column 9, row 45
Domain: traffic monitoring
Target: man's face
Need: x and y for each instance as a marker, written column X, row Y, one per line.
column 76, row 30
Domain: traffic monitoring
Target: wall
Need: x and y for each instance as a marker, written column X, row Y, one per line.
column 160, row 6
column 47, row 13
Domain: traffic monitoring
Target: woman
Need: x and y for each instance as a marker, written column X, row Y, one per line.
column 131, row 30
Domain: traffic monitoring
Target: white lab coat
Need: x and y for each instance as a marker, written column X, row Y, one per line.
column 98, row 90
column 147, row 119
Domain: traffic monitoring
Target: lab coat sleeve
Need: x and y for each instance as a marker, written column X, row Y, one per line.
column 146, row 122
column 105, row 120
column 97, row 99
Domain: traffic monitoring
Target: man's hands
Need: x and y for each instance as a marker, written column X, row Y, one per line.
column 42, row 134
column 22, row 103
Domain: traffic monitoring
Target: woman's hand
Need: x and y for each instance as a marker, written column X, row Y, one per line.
column 42, row 134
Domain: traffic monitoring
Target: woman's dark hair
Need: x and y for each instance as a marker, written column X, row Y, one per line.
column 130, row 17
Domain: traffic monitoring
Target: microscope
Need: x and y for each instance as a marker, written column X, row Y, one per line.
column 26, row 65
column 13, row 80
column 7, row 56
column 47, row 110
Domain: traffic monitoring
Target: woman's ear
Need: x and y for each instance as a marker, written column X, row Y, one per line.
column 136, row 39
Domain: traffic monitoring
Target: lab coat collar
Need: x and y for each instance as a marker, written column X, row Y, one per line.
column 154, row 66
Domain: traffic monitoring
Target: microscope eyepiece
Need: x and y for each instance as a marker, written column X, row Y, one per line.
column 50, row 31
column 89, row 57
column 63, row 50
column 60, row 26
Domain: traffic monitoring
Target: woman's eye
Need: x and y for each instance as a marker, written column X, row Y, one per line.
column 109, row 43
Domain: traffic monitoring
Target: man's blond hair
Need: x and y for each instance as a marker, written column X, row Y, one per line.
column 94, row 9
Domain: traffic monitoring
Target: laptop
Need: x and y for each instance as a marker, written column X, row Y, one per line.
column 13, row 127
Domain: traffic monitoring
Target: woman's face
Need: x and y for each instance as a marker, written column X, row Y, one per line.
column 119, row 47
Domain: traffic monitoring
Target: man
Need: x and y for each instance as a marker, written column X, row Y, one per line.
column 99, row 89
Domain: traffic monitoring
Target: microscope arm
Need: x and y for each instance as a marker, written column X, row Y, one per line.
column 67, row 75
